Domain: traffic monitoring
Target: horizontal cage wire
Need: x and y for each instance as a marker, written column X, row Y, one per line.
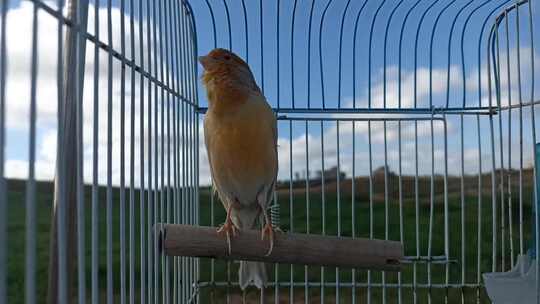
column 405, row 120
column 374, row 101
column 112, row 87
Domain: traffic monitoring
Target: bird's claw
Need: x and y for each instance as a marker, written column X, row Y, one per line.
column 268, row 231
column 227, row 229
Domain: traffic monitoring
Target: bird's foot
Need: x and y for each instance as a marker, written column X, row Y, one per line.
column 228, row 229
column 268, row 232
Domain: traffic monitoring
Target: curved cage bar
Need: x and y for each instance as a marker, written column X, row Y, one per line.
column 113, row 97
column 329, row 67
column 405, row 120
column 416, row 101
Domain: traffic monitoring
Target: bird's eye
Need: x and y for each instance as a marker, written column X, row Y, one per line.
column 227, row 57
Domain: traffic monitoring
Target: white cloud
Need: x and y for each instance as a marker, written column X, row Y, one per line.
column 18, row 90
column 19, row 47
column 438, row 86
column 18, row 98
column 512, row 82
column 19, row 169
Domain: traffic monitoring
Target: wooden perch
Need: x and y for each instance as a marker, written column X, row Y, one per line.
column 289, row 248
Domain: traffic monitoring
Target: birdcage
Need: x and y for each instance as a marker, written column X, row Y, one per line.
column 405, row 120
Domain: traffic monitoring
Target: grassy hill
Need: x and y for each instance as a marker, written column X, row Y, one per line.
column 295, row 215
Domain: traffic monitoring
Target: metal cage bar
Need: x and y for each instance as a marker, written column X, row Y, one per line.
column 421, row 131
column 141, row 82
column 462, row 27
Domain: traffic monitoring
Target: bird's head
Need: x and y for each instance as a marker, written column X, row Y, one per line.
column 221, row 64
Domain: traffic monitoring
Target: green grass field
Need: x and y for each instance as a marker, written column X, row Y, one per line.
column 299, row 214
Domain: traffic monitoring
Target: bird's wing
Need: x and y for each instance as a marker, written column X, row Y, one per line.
column 207, row 134
column 274, row 129
column 273, row 121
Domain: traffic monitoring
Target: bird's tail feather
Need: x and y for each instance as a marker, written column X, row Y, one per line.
column 252, row 273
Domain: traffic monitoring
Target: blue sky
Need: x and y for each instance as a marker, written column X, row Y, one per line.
column 335, row 92
column 341, row 93
column 330, row 38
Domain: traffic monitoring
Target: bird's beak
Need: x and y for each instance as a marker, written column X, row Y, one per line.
column 205, row 61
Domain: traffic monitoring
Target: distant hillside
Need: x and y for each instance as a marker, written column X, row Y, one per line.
column 361, row 185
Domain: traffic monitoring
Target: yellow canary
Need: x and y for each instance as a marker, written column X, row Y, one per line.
column 241, row 140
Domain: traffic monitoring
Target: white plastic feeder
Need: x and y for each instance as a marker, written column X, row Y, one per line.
column 517, row 286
